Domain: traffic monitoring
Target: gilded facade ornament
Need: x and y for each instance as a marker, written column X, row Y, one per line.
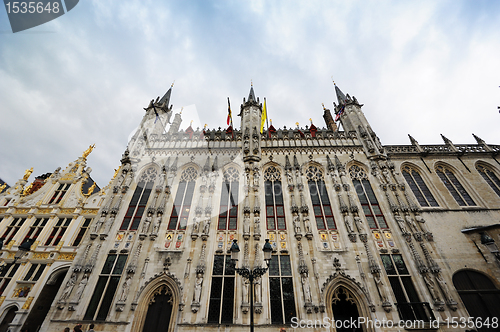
column 66, row 256
column 88, row 151
column 27, row 304
column 27, row 174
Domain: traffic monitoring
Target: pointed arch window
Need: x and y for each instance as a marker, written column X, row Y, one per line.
column 418, row 186
column 183, row 199
column 281, row 290
column 275, row 210
column 490, row 178
column 367, row 198
column 228, row 215
column 319, row 197
column 139, row 200
column 454, row 186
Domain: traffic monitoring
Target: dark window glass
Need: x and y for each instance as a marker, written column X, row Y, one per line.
column 281, row 290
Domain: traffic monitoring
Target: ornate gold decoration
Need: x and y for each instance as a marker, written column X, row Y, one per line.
column 40, row 255
column 35, row 245
column 68, row 177
column 27, row 174
column 28, row 302
column 11, row 254
column 10, row 244
column 2, row 187
column 90, row 211
column 88, row 151
column 91, row 189
column 27, row 189
column 59, row 245
column 116, row 172
column 44, row 211
column 2, row 298
column 67, row 211
column 22, row 211
column 66, row 256
column 3, row 210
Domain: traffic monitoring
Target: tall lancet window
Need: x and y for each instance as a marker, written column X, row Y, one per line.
column 319, row 197
column 454, row 186
column 228, row 214
column 275, row 211
column 418, row 186
column 139, row 200
column 183, row 198
column 490, row 178
column 367, row 198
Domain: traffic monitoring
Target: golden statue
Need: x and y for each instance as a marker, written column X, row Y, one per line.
column 27, row 173
column 2, row 187
column 91, row 189
column 88, row 151
column 27, row 189
column 116, row 172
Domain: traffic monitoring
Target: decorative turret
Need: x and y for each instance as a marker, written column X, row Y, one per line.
column 327, row 115
column 251, row 112
column 353, row 120
column 174, row 127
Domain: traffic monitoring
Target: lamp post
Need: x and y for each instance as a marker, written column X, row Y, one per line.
column 256, row 272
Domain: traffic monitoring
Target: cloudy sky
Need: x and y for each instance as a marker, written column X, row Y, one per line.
column 422, row 68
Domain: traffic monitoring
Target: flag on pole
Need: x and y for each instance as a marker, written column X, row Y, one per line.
column 229, row 116
column 342, row 108
column 263, row 117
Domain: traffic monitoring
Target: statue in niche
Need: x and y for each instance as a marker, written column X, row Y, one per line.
column 98, row 224
column 256, row 225
column 68, row 288
column 306, row 287
column 256, row 177
column 147, row 222
column 81, row 287
column 401, row 224
column 246, row 146
column 258, row 289
column 411, row 222
column 307, row 224
column 380, row 286
column 206, row 226
column 431, row 286
column 108, row 225
column 348, row 223
column 156, row 226
column 246, row 225
column 196, row 225
column 359, row 224
column 197, row 287
column 125, row 288
column 128, row 181
column 246, row 286
column 296, row 224
column 444, row 288
column 421, row 222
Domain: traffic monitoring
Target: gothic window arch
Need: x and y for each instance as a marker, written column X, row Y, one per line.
column 228, row 214
column 366, row 196
column 275, row 210
column 139, row 200
column 183, row 199
column 319, row 197
column 281, row 293
column 479, row 295
column 454, row 186
column 418, row 186
column 490, row 177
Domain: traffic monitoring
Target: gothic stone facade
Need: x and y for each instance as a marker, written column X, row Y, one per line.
column 358, row 229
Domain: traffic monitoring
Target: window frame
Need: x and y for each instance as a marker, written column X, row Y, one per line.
column 13, row 228
column 58, row 231
column 35, row 229
column 59, row 193
column 493, row 180
column 281, row 277
column 419, row 187
column 217, row 306
column 81, row 233
column 456, row 190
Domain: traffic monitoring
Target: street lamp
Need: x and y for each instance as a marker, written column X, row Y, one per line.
column 256, row 272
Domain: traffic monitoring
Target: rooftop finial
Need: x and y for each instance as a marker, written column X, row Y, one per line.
column 310, row 119
column 182, row 108
column 191, row 123
column 323, row 106
column 251, row 82
column 271, row 120
column 172, row 85
column 297, row 124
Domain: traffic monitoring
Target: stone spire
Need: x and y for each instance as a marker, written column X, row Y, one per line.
column 251, row 113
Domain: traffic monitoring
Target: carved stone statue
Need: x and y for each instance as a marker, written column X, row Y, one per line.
column 306, row 288
column 421, row 222
column 431, row 286
column 307, row 224
column 27, row 174
column 444, row 288
column 206, row 226
column 156, row 226
column 81, row 287
column 246, row 225
column 246, row 286
column 401, row 224
column 258, row 290
column 296, row 224
column 197, row 287
column 411, row 223
column 196, row 225
column 380, row 286
column 359, row 225
column 68, row 288
column 256, row 178
column 348, row 223
column 125, row 289
column 145, row 226
column 98, row 224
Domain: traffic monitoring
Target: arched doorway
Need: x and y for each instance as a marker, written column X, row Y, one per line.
column 158, row 305
column 479, row 295
column 42, row 305
column 345, row 310
column 7, row 319
column 160, row 310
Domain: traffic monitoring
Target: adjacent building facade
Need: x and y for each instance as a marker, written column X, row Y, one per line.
column 360, row 231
